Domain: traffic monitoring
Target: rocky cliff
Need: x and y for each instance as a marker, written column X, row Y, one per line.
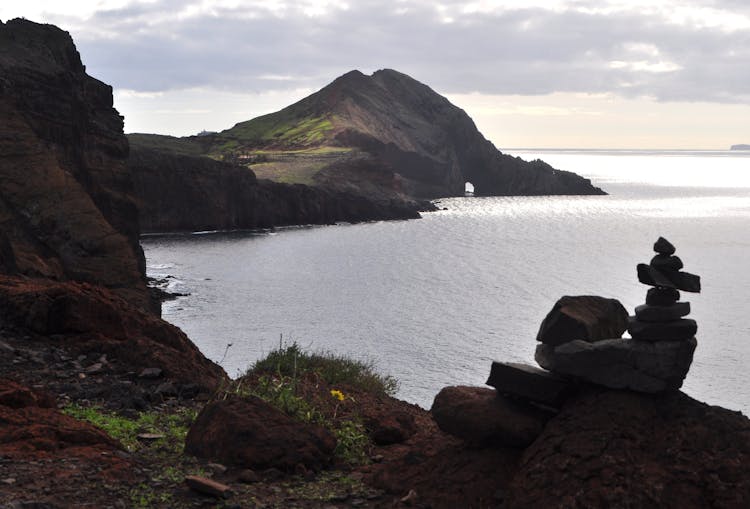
column 66, row 208
column 181, row 192
column 71, row 268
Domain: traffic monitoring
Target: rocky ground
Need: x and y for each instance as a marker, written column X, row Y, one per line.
column 51, row 460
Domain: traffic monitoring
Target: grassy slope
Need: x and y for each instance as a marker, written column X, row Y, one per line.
column 287, row 146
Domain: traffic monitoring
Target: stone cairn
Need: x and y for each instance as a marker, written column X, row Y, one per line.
column 580, row 342
column 661, row 317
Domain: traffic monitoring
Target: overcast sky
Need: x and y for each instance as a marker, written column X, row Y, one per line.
column 532, row 73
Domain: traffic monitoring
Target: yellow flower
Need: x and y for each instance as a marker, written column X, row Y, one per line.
column 337, row 394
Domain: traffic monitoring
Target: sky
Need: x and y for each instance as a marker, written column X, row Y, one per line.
column 531, row 73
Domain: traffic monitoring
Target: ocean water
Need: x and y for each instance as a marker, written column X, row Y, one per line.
column 434, row 301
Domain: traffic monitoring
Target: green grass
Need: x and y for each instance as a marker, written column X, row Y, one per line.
column 286, row 128
column 292, row 361
column 174, row 426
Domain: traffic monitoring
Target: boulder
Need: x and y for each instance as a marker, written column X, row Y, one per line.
column 482, row 417
column 675, row 330
column 250, row 433
column 622, row 363
column 586, row 317
column 521, row 381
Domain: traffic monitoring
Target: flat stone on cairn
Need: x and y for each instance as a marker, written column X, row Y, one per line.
column 529, row 383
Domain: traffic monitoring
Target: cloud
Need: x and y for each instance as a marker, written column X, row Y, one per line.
column 669, row 51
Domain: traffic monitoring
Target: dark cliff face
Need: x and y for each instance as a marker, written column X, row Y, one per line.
column 178, row 192
column 66, row 207
column 72, row 272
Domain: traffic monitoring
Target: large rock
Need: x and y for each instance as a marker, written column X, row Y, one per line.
column 585, row 317
column 622, row 363
column 250, row 433
column 521, row 381
column 482, row 417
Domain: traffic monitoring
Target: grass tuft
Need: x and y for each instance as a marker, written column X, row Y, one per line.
column 291, row 361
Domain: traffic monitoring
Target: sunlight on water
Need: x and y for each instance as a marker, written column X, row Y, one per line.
column 433, row 301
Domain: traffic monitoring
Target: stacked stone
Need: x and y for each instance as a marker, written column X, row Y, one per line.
column 661, row 318
column 581, row 339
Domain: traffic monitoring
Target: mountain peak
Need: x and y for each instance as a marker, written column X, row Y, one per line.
column 386, row 131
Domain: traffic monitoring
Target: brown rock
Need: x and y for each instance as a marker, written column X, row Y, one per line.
column 387, row 425
column 482, row 417
column 587, row 317
column 624, row 449
column 14, row 395
column 250, row 433
column 208, row 487
column 94, row 318
column 248, row 476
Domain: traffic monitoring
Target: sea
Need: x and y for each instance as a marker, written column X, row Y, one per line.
column 433, row 301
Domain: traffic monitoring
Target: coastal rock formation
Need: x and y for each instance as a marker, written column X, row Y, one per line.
column 411, row 132
column 370, row 146
column 66, row 208
column 73, row 272
column 250, row 433
column 178, row 192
